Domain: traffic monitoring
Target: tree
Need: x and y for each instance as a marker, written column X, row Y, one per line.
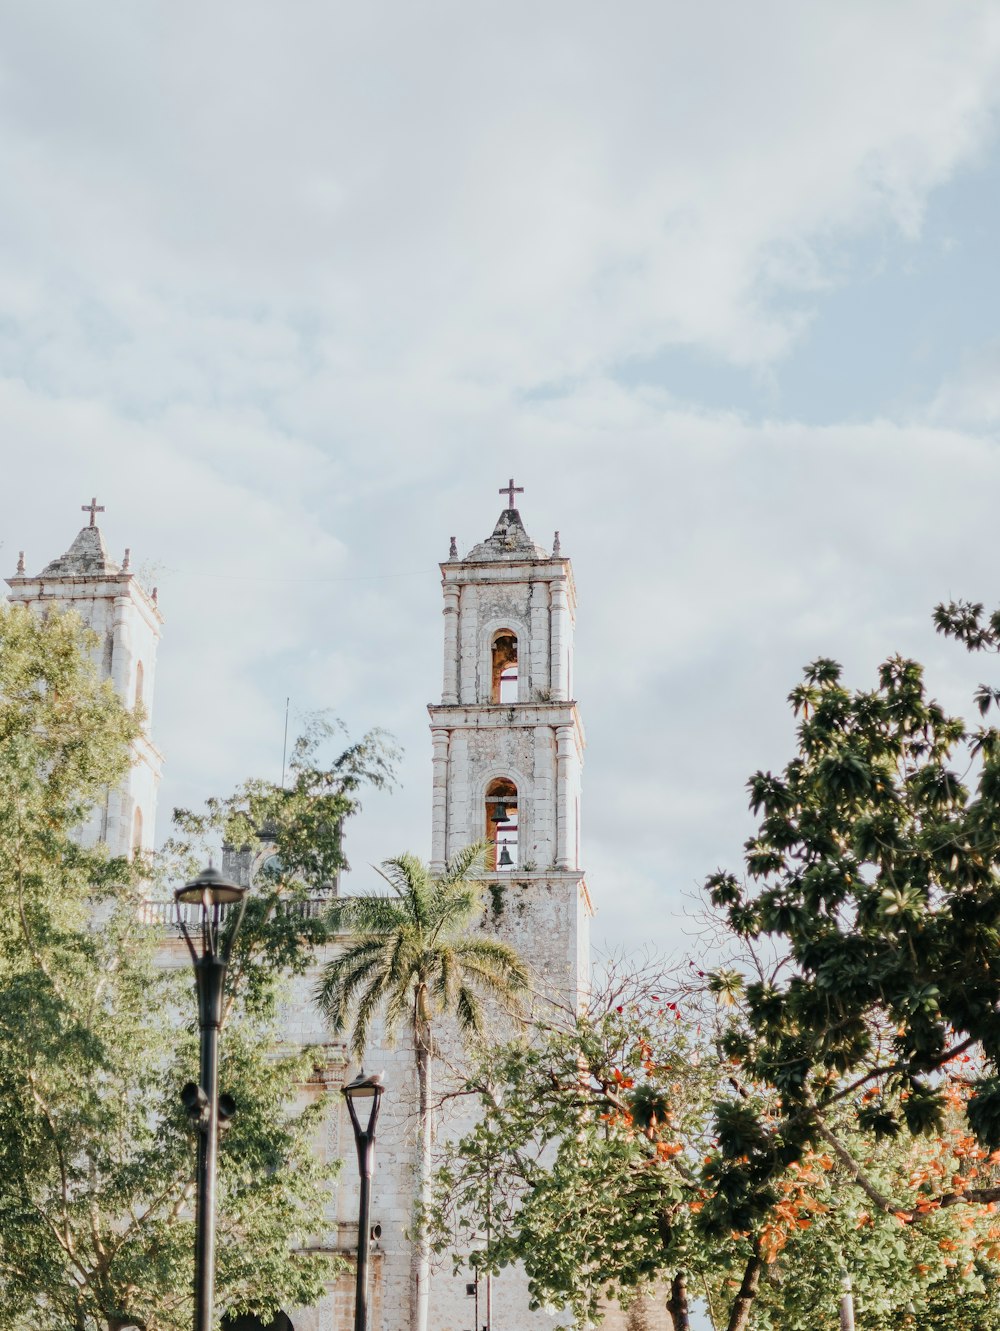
column 411, row 957
column 874, row 874
column 96, row 1157
column 598, row 1160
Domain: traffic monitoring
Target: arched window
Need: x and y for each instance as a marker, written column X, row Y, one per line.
column 504, row 657
column 137, row 831
column 501, row 825
column 139, row 685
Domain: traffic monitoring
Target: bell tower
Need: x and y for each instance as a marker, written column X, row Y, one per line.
column 508, row 743
column 126, row 621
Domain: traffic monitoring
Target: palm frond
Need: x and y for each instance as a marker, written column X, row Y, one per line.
column 342, row 977
column 504, row 960
column 366, row 1008
column 448, row 978
column 468, row 1011
column 418, row 949
column 462, row 864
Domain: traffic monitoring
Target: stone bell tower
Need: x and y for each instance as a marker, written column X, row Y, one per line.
column 111, row 602
column 508, row 744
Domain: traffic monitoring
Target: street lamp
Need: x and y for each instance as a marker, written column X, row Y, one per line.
column 210, row 893
column 358, row 1091
column 846, row 1301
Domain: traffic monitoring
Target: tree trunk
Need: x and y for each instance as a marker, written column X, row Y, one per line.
column 677, row 1304
column 739, row 1315
column 420, row 1257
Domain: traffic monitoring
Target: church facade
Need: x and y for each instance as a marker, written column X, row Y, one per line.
column 507, row 755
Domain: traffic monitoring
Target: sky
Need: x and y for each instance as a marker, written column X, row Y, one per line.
column 293, row 290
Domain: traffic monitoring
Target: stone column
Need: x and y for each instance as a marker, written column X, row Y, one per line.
column 116, row 836
column 469, row 667
column 565, row 752
column 439, row 801
column 459, row 833
column 560, row 640
column 120, row 801
column 121, row 651
column 539, row 646
column 452, row 593
column 543, row 808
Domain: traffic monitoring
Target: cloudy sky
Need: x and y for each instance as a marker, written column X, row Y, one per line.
column 293, row 289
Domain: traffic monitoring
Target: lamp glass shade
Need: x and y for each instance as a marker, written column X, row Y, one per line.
column 364, row 1088
column 211, row 884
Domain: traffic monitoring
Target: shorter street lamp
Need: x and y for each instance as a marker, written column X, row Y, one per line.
column 358, row 1091
column 846, row 1302
column 210, row 894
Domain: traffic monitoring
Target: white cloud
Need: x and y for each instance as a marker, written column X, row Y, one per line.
column 448, row 191
column 971, row 395
column 294, row 289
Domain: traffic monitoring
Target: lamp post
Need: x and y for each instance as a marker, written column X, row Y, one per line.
column 210, row 893
column 846, row 1302
column 358, row 1091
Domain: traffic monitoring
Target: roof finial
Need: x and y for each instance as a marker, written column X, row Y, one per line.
column 20, row 563
column 93, row 508
column 510, row 490
column 556, row 547
column 453, row 550
column 127, row 561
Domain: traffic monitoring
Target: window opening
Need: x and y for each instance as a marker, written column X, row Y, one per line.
column 504, row 655
column 137, row 832
column 501, row 825
column 139, row 684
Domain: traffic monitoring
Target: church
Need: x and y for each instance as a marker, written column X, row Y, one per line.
column 507, row 755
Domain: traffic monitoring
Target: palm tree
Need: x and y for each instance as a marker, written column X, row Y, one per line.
column 413, row 957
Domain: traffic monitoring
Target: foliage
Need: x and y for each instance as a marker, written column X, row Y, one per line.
column 301, row 824
column 96, row 1157
column 876, row 866
column 414, row 959
column 597, row 1165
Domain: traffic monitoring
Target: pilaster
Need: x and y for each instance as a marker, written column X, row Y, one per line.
column 452, row 595
column 560, row 641
column 439, row 810
column 539, row 677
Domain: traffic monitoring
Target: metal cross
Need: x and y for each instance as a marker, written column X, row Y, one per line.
column 510, row 490
column 92, row 508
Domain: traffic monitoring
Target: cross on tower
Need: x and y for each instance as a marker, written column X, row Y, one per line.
column 93, row 508
column 510, row 490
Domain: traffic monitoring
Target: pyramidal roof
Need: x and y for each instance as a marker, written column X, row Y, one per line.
column 87, row 557
column 509, row 541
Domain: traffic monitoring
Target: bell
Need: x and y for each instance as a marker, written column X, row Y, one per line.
column 500, row 814
column 505, row 861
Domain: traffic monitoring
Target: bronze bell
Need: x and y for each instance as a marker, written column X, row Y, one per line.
column 500, row 814
column 505, row 861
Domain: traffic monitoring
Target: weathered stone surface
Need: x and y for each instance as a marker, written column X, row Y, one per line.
column 87, row 557
column 509, row 541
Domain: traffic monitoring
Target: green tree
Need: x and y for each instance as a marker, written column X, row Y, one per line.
column 598, row 1160
column 96, row 1037
column 413, row 959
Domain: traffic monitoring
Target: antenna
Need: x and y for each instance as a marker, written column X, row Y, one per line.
column 284, row 747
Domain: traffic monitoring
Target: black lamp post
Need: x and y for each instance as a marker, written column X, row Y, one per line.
column 358, row 1091
column 846, row 1302
column 210, row 893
